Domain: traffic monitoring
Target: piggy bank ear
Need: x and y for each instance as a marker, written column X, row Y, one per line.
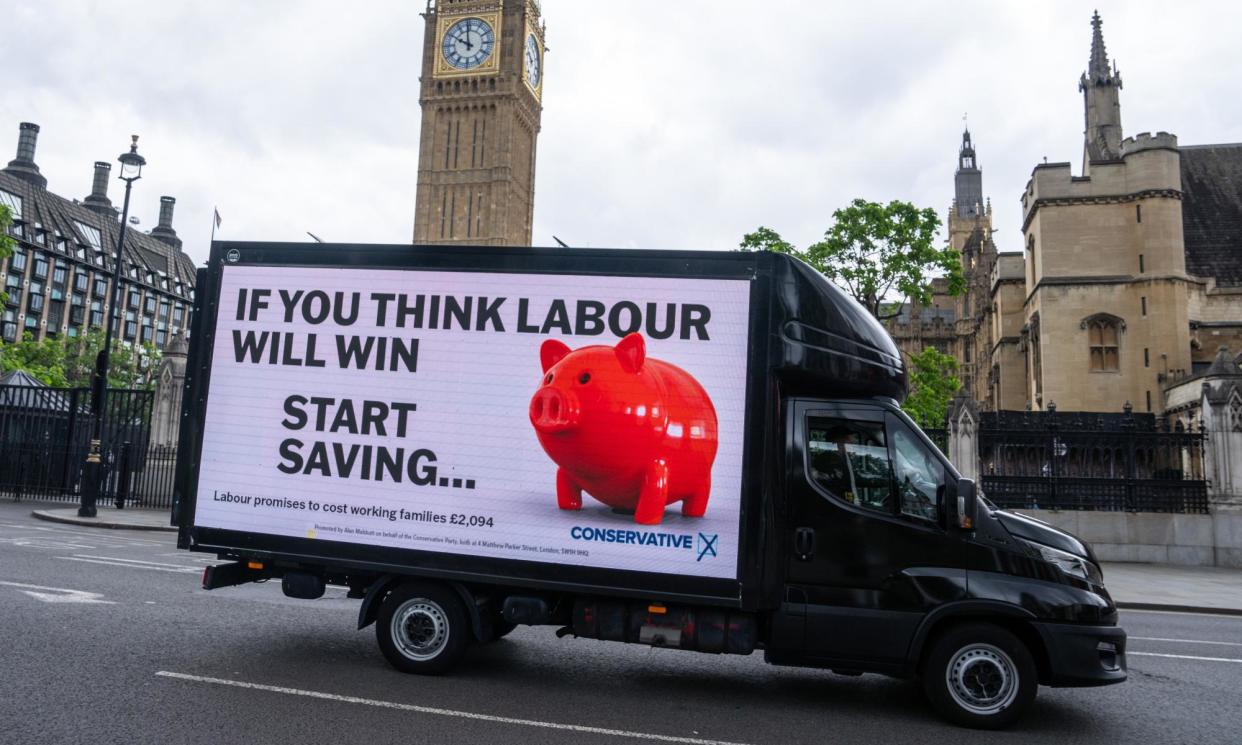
column 632, row 352
column 552, row 352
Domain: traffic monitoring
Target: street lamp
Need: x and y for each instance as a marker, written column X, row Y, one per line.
column 93, row 472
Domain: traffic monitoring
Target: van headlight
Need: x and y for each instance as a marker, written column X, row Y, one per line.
column 1074, row 566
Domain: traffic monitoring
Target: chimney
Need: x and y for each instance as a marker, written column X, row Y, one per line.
column 98, row 199
column 164, row 231
column 23, row 166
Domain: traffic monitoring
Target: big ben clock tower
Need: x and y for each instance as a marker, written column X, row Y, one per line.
column 480, row 92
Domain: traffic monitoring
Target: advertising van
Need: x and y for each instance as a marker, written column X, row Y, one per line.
column 695, row 450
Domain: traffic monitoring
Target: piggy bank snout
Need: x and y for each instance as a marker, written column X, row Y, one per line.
column 553, row 410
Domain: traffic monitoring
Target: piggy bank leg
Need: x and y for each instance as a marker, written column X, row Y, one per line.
column 654, row 496
column 695, row 503
column 568, row 493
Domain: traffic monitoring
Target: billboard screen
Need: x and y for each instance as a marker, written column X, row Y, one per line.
column 569, row 419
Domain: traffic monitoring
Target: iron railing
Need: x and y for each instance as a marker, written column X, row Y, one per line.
column 45, row 436
column 1092, row 461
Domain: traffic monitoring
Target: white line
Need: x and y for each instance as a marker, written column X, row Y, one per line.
column 186, row 570
column 1182, row 657
column 1183, row 641
column 137, row 561
column 445, row 712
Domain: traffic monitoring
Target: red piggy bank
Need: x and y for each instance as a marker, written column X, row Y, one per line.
column 633, row 432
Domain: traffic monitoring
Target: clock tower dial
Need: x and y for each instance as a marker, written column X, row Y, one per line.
column 532, row 62
column 468, row 44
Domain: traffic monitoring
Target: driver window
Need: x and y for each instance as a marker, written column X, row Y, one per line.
column 850, row 460
column 920, row 476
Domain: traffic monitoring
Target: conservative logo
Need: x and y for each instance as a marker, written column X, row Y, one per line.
column 704, row 545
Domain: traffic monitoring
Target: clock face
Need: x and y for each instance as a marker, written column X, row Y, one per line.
column 468, row 43
column 532, row 61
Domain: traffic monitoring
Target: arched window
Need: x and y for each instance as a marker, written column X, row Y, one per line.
column 1103, row 341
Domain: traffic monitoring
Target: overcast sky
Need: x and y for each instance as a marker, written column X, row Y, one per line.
column 665, row 124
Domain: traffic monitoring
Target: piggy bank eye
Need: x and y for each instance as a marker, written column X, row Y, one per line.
column 584, row 378
column 548, row 379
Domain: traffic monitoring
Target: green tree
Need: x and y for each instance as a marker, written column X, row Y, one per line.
column 933, row 382
column 6, row 243
column 877, row 253
column 65, row 361
column 43, row 359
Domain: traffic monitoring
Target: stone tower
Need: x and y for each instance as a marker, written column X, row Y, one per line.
column 481, row 85
column 1107, row 312
column 1101, row 87
column 970, row 233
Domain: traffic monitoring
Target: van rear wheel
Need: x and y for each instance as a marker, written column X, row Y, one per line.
column 422, row 628
column 980, row 676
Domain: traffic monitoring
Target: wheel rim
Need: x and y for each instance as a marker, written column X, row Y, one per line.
column 982, row 679
column 420, row 629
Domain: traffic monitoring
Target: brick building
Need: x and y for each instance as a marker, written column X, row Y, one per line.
column 58, row 280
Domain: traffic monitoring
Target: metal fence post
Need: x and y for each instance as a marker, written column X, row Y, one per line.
column 123, row 476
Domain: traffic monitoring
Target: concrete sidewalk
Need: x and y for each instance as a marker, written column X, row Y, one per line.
column 1135, row 586
column 110, row 517
column 1169, row 587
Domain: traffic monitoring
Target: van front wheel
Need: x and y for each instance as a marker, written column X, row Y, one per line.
column 980, row 676
column 422, row 628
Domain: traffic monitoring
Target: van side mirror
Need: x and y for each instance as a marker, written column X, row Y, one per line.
column 963, row 507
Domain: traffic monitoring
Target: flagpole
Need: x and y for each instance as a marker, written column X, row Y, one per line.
column 214, row 213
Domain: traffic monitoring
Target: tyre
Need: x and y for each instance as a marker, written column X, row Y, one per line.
column 423, row 628
column 979, row 676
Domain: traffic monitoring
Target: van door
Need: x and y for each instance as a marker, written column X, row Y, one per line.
column 868, row 550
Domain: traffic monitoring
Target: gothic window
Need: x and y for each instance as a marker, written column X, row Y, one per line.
column 1103, row 341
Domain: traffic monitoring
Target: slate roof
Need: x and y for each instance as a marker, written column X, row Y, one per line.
column 59, row 217
column 1212, row 211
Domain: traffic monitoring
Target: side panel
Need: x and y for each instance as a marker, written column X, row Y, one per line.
column 424, row 447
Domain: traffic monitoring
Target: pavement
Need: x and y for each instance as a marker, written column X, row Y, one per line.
column 110, row 517
column 1133, row 586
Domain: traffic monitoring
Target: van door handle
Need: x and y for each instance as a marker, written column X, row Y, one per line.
column 804, row 543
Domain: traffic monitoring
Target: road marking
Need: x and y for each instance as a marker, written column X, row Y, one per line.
column 1183, row 657
column 182, row 570
column 1184, row 641
column 444, row 712
column 136, row 561
column 60, row 594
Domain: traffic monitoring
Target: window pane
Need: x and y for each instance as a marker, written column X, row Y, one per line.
column 90, row 235
column 850, row 460
column 1097, row 335
column 13, row 202
column 1110, row 334
column 920, row 476
column 1110, row 359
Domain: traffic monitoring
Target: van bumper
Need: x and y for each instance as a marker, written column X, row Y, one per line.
column 1081, row 655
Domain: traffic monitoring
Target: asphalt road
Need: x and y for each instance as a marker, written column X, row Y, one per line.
column 110, row 640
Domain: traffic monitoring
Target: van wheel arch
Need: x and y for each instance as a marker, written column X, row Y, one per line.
column 382, row 586
column 1014, row 620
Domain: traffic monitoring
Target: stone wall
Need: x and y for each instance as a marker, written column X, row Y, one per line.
column 1155, row 538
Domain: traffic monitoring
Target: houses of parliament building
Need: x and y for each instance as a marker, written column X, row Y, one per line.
column 1129, row 280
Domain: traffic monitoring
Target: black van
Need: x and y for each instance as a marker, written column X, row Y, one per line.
column 861, row 549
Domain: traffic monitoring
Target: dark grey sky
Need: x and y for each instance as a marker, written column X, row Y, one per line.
column 666, row 124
